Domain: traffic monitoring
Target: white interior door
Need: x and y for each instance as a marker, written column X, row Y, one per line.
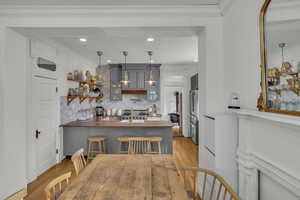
column 45, row 122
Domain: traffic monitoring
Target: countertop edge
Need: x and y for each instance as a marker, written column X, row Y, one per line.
column 117, row 124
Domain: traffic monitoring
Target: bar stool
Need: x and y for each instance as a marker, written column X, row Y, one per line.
column 155, row 141
column 123, row 144
column 100, row 142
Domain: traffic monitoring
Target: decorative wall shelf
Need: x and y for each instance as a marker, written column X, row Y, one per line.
column 87, row 82
column 82, row 98
column 278, row 91
column 290, row 73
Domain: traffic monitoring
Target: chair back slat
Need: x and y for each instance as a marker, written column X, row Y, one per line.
column 210, row 188
column 51, row 187
column 224, row 197
column 79, row 161
column 142, row 145
column 138, row 145
column 204, row 184
column 219, row 191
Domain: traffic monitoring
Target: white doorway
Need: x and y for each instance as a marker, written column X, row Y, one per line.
column 173, row 104
column 44, row 121
column 43, row 126
column 170, row 98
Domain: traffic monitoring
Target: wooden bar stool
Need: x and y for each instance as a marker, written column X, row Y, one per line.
column 123, row 144
column 155, row 141
column 100, row 142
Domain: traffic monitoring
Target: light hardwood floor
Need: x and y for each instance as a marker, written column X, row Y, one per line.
column 185, row 154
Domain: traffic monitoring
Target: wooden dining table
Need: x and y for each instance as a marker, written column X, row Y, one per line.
column 130, row 177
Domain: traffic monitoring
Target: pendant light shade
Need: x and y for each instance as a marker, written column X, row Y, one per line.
column 151, row 80
column 100, row 77
column 125, row 79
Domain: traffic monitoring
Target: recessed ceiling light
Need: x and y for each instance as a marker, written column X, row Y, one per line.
column 82, row 39
column 108, row 61
column 150, row 39
column 152, row 61
column 195, row 60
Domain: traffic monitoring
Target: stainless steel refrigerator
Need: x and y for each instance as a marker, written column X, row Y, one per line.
column 194, row 109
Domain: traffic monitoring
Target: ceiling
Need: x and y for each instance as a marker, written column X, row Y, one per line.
column 109, row 2
column 176, row 45
column 284, row 31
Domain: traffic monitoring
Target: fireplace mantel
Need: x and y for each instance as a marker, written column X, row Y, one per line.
column 269, row 144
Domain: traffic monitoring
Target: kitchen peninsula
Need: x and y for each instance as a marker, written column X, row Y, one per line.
column 75, row 134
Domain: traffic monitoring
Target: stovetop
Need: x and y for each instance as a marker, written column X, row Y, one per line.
column 137, row 114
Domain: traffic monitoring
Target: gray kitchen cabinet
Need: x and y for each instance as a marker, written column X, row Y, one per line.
column 141, row 75
column 136, row 76
column 115, row 82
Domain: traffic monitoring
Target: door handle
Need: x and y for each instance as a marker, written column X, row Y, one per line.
column 37, row 133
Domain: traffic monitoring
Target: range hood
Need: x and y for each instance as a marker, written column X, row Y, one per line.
column 140, row 92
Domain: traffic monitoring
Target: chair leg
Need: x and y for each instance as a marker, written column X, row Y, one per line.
column 104, row 146
column 100, row 148
column 89, row 151
column 159, row 148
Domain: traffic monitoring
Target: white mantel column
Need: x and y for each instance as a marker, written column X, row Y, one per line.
column 248, row 174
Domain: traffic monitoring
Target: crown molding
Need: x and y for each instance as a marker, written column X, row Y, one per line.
column 200, row 10
column 225, row 5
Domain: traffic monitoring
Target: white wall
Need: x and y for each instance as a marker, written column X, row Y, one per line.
column 241, row 51
column 13, row 133
column 68, row 61
column 2, row 152
column 14, row 88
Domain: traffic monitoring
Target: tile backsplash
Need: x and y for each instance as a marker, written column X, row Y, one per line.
column 73, row 111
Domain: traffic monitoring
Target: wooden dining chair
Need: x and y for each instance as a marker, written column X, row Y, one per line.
column 19, row 195
column 123, row 144
column 155, row 145
column 138, row 145
column 99, row 141
column 79, row 161
column 213, row 186
column 56, row 185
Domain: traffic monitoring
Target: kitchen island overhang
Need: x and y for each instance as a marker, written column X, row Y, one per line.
column 76, row 134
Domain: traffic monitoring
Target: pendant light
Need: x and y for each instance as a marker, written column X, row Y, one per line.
column 125, row 80
column 151, row 80
column 100, row 77
column 285, row 66
column 282, row 45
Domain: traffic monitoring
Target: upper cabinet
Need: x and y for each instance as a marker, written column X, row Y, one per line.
column 138, row 75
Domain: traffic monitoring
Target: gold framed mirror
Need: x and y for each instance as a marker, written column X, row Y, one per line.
column 280, row 58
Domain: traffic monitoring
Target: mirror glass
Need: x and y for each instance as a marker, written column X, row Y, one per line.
column 282, row 45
